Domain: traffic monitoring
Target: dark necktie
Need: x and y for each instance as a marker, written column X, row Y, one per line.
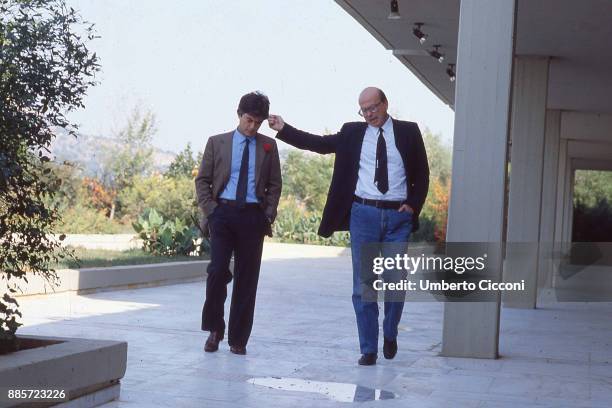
column 381, row 175
column 241, row 188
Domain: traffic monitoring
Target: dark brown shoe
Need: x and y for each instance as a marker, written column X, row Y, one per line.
column 390, row 349
column 212, row 343
column 241, row 350
column 368, row 359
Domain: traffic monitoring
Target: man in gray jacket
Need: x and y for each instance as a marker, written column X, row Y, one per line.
column 238, row 188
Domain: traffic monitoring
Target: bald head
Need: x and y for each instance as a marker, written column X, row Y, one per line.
column 372, row 92
column 374, row 105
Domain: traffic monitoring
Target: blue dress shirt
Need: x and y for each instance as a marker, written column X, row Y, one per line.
column 238, row 145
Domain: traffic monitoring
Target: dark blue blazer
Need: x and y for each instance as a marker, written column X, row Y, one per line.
column 346, row 144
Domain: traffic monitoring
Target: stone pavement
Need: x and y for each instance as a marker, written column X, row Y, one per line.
column 303, row 349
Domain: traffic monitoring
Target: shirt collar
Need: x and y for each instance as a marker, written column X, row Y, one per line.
column 242, row 138
column 386, row 127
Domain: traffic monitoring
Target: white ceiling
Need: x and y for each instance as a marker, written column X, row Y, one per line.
column 576, row 34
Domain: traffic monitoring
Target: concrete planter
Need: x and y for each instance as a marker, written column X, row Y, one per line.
column 112, row 242
column 90, row 280
column 76, row 372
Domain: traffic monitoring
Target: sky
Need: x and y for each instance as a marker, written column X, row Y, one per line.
column 190, row 61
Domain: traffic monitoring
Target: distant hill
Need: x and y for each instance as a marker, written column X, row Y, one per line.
column 89, row 151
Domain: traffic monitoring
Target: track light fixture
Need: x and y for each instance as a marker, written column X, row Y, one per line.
column 436, row 53
column 394, row 14
column 451, row 72
column 418, row 33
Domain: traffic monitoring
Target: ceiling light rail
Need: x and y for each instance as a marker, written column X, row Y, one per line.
column 417, row 31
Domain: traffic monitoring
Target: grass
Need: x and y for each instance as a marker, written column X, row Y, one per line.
column 96, row 258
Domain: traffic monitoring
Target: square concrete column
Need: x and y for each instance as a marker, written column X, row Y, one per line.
column 550, row 178
column 563, row 197
column 477, row 202
column 526, row 172
column 568, row 213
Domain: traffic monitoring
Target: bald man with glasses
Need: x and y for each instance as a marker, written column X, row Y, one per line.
column 378, row 188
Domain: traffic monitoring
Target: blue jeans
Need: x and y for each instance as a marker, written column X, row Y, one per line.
column 374, row 225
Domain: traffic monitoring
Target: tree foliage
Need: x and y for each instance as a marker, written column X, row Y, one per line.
column 306, row 178
column 70, row 188
column 439, row 157
column 183, row 164
column 131, row 158
column 83, row 202
column 99, row 197
column 45, row 71
column 591, row 187
column 592, row 221
column 433, row 218
column 171, row 197
column 134, row 155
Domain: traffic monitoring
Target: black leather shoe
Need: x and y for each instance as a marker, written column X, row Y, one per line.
column 368, row 359
column 241, row 350
column 390, row 349
column 212, row 343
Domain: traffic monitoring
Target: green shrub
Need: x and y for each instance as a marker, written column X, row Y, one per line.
column 172, row 197
column 306, row 178
column 591, row 187
column 168, row 237
column 294, row 224
column 82, row 219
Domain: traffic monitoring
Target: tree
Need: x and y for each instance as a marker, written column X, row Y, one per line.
column 45, row 71
column 183, row 164
column 71, row 188
column 591, row 187
column 134, row 155
column 433, row 217
column 306, row 179
column 592, row 220
column 99, row 197
column 438, row 156
column 171, row 197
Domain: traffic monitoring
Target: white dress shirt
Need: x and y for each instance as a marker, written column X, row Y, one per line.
column 367, row 166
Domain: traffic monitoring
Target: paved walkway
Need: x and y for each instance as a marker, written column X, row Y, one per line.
column 303, row 349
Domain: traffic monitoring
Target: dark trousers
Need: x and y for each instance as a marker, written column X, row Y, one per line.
column 241, row 231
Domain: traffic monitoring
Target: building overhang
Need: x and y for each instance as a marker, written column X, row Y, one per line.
column 574, row 35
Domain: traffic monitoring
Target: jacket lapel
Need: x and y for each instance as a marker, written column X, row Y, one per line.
column 398, row 140
column 402, row 144
column 260, row 155
column 356, row 152
column 226, row 156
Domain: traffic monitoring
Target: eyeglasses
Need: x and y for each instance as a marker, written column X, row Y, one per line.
column 370, row 109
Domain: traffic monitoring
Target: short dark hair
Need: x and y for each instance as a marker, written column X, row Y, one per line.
column 256, row 104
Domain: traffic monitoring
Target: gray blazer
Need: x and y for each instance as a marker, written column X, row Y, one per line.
column 215, row 171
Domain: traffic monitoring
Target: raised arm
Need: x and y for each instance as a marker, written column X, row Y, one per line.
column 303, row 140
